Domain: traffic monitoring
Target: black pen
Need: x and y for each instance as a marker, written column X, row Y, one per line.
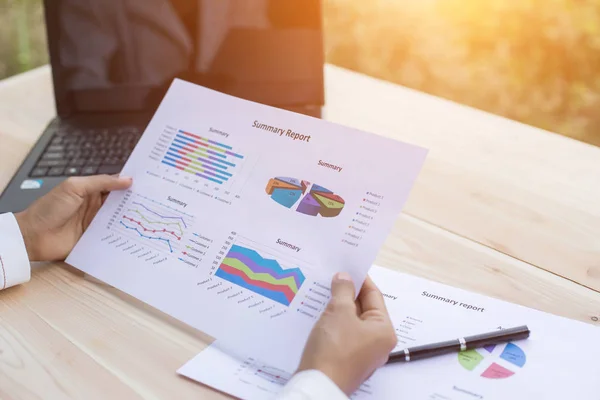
column 460, row 344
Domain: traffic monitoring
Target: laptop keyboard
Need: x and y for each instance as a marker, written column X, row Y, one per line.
column 79, row 152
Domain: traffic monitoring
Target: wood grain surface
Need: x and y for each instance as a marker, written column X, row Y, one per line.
column 501, row 209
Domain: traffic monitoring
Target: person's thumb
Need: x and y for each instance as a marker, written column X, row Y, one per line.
column 342, row 288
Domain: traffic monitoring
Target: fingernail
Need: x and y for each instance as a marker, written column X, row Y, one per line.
column 343, row 276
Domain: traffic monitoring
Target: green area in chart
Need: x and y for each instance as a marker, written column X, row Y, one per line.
column 469, row 359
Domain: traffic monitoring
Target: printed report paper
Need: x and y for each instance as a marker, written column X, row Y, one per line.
column 558, row 361
column 240, row 214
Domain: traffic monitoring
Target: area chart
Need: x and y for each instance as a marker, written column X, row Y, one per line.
column 305, row 197
column 202, row 157
column 245, row 267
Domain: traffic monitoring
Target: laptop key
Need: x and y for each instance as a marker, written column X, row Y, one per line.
column 73, row 154
column 55, row 148
column 37, row 172
column 77, row 162
column 74, row 151
column 110, row 169
column 56, row 171
column 53, row 156
column 89, row 170
column 72, row 171
column 52, row 163
column 95, row 161
column 112, row 161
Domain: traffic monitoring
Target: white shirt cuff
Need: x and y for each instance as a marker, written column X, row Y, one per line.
column 14, row 262
column 309, row 385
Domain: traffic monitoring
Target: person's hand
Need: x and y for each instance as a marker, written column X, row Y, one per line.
column 54, row 223
column 352, row 338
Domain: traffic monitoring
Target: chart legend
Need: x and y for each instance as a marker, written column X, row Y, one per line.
column 247, row 268
column 494, row 362
column 208, row 159
column 305, row 197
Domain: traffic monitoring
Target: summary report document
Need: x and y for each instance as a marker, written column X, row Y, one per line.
column 559, row 361
column 240, row 214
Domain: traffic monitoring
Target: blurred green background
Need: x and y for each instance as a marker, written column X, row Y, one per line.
column 535, row 61
column 22, row 36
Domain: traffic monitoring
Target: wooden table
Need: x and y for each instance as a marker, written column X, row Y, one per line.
column 500, row 208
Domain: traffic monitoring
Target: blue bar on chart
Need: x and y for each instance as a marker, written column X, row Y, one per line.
column 202, row 157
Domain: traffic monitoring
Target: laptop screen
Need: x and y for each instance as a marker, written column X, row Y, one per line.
column 121, row 55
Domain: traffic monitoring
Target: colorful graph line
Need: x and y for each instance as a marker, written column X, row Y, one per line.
column 155, row 222
column 157, row 214
column 167, row 241
column 201, row 157
column 139, row 223
column 274, row 376
column 247, row 268
column 163, row 205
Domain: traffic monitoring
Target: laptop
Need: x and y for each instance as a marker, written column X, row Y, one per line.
column 113, row 60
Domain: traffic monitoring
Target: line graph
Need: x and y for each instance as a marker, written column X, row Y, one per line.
column 151, row 223
column 148, row 237
column 260, row 373
column 273, row 375
column 141, row 224
column 157, row 214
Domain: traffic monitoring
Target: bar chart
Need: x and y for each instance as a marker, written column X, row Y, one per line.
column 202, row 157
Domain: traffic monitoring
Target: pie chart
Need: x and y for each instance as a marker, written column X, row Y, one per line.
column 305, row 197
column 495, row 361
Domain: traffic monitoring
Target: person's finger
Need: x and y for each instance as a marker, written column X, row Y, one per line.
column 342, row 288
column 358, row 307
column 85, row 186
column 370, row 297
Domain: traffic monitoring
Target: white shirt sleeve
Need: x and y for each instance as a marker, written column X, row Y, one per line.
column 14, row 262
column 311, row 385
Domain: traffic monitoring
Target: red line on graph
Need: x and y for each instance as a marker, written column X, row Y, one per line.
column 197, row 138
column 182, row 156
column 3, row 272
column 283, row 289
column 183, row 163
column 266, row 373
column 196, row 145
column 187, row 150
column 150, row 230
column 192, row 135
